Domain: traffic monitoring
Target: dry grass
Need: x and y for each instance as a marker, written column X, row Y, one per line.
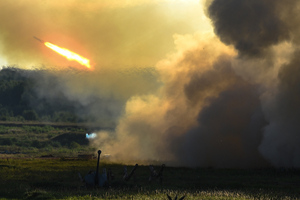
column 58, row 179
column 25, row 176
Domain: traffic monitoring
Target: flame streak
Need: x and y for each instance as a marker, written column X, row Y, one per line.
column 69, row 54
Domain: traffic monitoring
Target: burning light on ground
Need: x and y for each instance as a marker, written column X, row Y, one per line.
column 69, row 54
column 91, row 136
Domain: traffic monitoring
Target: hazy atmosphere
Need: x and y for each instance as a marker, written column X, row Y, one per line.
column 207, row 83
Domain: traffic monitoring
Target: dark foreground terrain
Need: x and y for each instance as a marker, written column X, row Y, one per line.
column 57, row 178
column 43, row 161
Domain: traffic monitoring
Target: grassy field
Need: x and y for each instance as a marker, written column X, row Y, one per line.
column 26, row 174
column 58, row 179
column 34, row 141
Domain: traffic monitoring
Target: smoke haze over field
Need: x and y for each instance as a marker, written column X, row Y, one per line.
column 111, row 33
column 188, row 97
column 220, row 108
column 204, row 115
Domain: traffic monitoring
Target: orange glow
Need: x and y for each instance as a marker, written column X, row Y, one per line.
column 69, row 54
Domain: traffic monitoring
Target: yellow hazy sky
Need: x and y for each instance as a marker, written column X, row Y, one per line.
column 108, row 32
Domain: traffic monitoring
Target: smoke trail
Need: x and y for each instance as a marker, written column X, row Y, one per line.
column 109, row 33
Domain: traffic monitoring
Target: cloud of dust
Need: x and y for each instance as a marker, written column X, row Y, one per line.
column 198, row 117
column 266, row 35
column 224, row 100
column 227, row 103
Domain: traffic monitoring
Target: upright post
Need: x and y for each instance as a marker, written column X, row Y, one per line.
column 96, row 175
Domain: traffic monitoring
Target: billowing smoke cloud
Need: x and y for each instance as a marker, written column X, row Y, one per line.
column 203, row 115
column 281, row 143
column 218, row 107
column 229, row 130
column 230, row 101
column 252, row 26
column 255, row 29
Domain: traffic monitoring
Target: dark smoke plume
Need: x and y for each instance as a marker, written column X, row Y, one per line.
column 218, row 107
column 204, row 115
column 229, row 130
column 231, row 101
column 258, row 29
column 281, row 143
column 252, row 26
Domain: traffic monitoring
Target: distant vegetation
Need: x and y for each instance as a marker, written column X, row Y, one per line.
column 35, row 141
column 19, row 100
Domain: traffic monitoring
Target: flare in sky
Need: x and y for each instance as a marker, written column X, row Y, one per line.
column 67, row 53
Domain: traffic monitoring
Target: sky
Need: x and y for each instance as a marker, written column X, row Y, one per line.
column 110, row 33
column 208, row 83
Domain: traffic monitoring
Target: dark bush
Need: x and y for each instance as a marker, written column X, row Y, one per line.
column 6, row 141
column 30, row 115
column 37, row 144
column 74, row 145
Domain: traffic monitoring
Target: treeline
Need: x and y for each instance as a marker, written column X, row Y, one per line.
column 19, row 100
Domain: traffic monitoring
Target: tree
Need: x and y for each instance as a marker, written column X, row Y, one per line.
column 30, row 115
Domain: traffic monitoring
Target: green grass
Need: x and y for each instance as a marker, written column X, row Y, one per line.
column 34, row 141
column 28, row 176
column 58, row 179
